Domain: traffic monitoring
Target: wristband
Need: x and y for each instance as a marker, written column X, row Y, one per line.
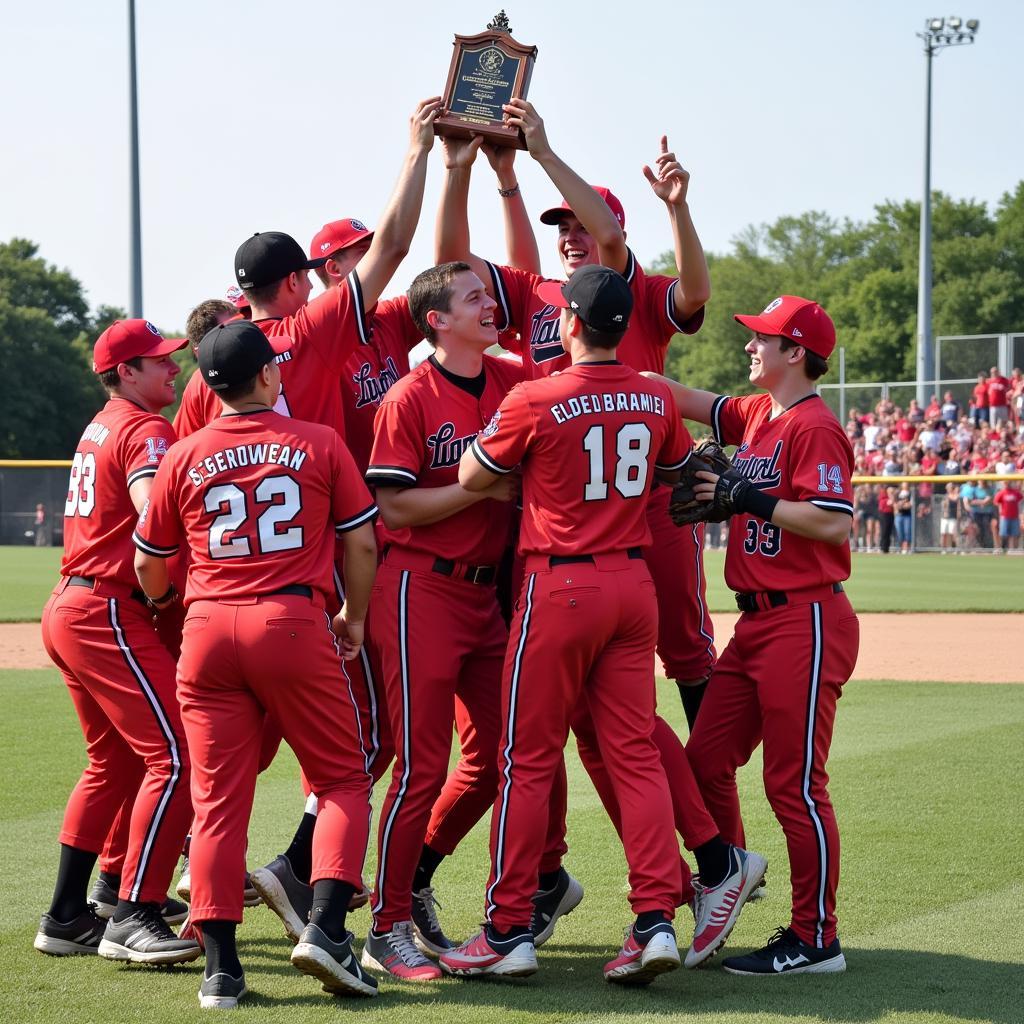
column 760, row 504
column 164, row 599
column 508, row 193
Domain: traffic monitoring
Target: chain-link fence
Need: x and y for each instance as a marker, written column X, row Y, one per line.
column 32, row 502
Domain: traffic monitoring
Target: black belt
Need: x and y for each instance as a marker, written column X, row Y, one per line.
column 89, row 582
column 294, row 589
column 480, row 574
column 573, row 559
column 774, row 598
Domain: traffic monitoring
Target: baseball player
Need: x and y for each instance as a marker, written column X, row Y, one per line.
column 435, row 614
column 588, row 442
column 249, row 495
column 98, row 629
column 796, row 640
column 590, row 226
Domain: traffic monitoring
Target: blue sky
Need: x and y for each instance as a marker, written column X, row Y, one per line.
column 256, row 119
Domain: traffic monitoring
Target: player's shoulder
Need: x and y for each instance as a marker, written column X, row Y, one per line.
column 388, row 311
column 506, row 371
column 409, row 388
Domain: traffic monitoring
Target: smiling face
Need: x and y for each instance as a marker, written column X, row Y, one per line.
column 152, row 385
column 767, row 363
column 576, row 245
column 470, row 316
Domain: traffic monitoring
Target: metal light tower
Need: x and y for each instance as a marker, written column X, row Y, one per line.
column 937, row 35
column 136, row 214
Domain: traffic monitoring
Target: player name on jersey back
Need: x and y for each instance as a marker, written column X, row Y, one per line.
column 595, row 404
column 246, row 455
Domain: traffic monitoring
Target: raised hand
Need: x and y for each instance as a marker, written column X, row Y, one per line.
column 421, row 124
column 459, row 154
column 671, row 181
column 521, row 114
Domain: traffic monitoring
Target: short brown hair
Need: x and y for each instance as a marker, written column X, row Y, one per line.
column 265, row 294
column 204, row 318
column 432, row 290
column 111, row 379
column 814, row 365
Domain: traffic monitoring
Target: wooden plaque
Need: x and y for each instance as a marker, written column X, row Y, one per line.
column 487, row 70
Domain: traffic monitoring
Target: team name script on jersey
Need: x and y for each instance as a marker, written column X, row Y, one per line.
column 612, row 401
column 445, row 448
column 246, row 455
column 761, row 470
column 373, row 389
column 97, row 433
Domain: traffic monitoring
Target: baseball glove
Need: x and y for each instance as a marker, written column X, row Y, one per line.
column 684, row 507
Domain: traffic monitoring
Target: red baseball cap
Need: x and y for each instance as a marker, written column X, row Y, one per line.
column 237, row 297
column 800, row 320
column 127, row 339
column 556, row 213
column 337, row 235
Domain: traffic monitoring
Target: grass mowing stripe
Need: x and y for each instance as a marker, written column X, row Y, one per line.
column 879, row 583
column 924, row 824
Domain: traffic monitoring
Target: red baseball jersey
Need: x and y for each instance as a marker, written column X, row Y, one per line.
column 376, row 364
column 424, row 424
column 998, row 390
column 122, row 444
column 802, row 455
column 651, row 325
column 324, row 333
column 588, row 440
column 252, row 496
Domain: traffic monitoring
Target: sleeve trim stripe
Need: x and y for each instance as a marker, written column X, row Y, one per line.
column 716, row 411
column 141, row 474
column 152, row 549
column 368, row 515
column 630, row 267
column 357, row 295
column 501, row 295
column 670, row 307
column 835, row 506
column 390, row 472
column 675, row 465
column 487, row 462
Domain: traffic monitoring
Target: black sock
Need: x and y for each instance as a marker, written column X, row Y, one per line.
column 713, row 862
column 300, row 851
column 647, row 920
column 125, row 909
column 69, row 894
column 691, row 697
column 114, row 881
column 330, row 905
column 547, row 880
column 221, row 953
column 507, row 939
column 429, row 861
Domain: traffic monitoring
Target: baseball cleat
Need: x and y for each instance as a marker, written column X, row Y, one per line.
column 173, row 911
column 785, row 953
column 513, row 958
column 760, row 892
column 644, row 956
column 221, row 992
column 551, row 904
column 397, row 953
column 286, row 896
column 426, row 929
column 184, row 886
column 103, row 900
column 333, row 964
column 145, row 938
column 79, row 937
column 718, row 909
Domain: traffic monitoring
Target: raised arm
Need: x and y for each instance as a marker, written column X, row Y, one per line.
column 670, row 183
column 691, row 403
column 520, row 241
column 397, row 225
column 590, row 209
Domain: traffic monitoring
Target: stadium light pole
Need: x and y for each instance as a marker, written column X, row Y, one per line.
column 938, row 34
column 136, row 211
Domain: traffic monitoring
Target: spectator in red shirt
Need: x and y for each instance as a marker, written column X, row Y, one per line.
column 998, row 397
column 905, row 429
column 934, row 410
column 1008, row 500
column 979, row 401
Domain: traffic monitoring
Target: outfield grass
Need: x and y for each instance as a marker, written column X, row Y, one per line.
column 920, row 583
column 923, row 777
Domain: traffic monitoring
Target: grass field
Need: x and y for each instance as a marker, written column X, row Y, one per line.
column 879, row 583
column 923, row 777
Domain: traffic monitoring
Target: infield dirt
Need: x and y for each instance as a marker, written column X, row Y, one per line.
column 953, row 648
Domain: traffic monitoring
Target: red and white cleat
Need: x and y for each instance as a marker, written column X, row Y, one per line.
column 643, row 957
column 515, row 958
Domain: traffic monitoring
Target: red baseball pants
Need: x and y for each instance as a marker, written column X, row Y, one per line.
column 243, row 660
column 779, row 679
column 581, row 629
column 121, row 680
